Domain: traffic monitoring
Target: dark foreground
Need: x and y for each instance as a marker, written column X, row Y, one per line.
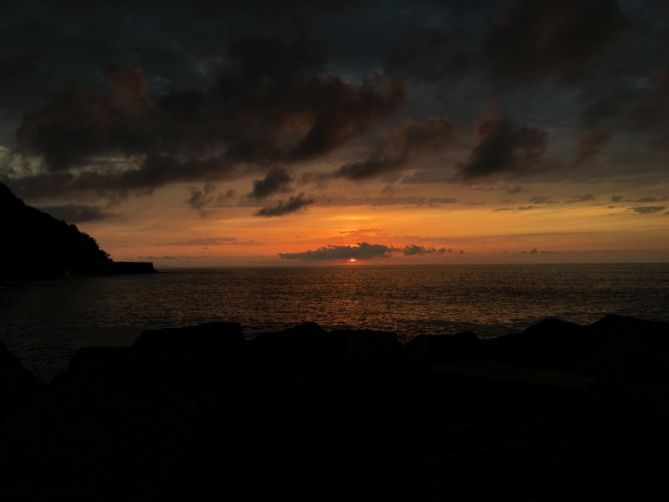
column 559, row 412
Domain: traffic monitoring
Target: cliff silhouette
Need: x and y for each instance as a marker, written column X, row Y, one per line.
column 36, row 245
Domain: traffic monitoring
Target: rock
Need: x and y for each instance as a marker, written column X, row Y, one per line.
column 425, row 351
column 309, row 354
column 201, row 338
column 207, row 347
column 115, row 423
column 633, row 350
column 551, row 343
column 17, row 385
column 106, row 363
column 309, row 414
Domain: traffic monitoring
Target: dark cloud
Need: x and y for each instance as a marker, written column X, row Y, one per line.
column 373, row 166
column 272, row 102
column 431, row 55
column 504, row 148
column 232, row 89
column 513, row 190
column 212, row 241
column 170, row 257
column 647, row 209
column 605, row 109
column 415, row 250
column 643, row 109
column 399, row 145
column 586, row 197
column 642, row 200
column 532, row 40
column 590, row 144
column 16, row 68
column 292, row 205
column 361, row 251
column 201, row 198
column 648, row 199
column 649, row 111
column 541, row 199
column 661, row 144
column 277, row 180
column 388, row 200
column 77, row 213
column 536, row 251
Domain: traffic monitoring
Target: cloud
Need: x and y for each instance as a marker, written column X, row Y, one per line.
column 363, row 251
column 586, row 197
column 649, row 199
column 388, row 200
column 360, row 251
column 539, row 39
column 431, row 55
column 542, row 199
column 590, row 144
column 272, row 102
column 519, row 208
column 504, row 148
column 200, row 198
column 275, row 181
column 15, row 68
column 171, row 257
column 212, row 241
column 647, row 209
column 415, row 250
column 398, row 146
column 535, row 251
column 642, row 109
column 643, row 200
column 373, row 166
column 282, row 208
column 77, row 213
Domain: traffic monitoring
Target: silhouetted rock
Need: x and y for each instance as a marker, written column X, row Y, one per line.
column 559, row 411
column 351, row 363
column 201, row 338
column 633, row 349
column 209, row 347
column 425, row 351
column 551, row 343
column 94, row 363
column 17, row 385
column 38, row 246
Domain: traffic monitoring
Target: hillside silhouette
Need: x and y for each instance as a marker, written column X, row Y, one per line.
column 37, row 245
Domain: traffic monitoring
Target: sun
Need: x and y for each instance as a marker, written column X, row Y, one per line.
column 352, row 260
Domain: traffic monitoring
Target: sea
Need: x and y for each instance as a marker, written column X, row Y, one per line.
column 43, row 323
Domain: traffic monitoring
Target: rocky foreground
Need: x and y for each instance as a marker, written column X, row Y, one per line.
column 558, row 412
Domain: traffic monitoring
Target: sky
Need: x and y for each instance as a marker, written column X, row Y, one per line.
column 207, row 133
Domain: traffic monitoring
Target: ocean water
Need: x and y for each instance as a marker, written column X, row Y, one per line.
column 43, row 323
